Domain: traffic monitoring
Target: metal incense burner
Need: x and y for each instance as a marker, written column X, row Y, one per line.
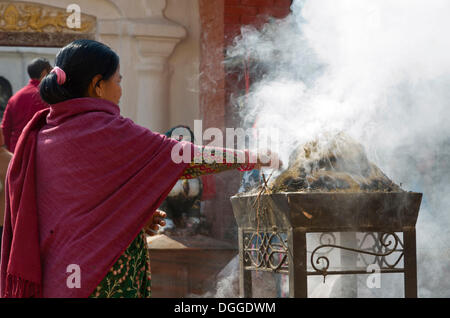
column 273, row 230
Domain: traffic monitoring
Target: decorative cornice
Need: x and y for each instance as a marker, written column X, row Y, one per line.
column 152, row 27
column 156, row 46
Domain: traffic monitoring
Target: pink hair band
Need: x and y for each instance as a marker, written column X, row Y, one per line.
column 60, row 75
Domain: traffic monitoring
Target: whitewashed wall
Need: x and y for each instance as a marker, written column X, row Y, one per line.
column 14, row 62
column 158, row 43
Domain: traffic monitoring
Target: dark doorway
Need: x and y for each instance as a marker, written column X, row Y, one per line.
column 5, row 94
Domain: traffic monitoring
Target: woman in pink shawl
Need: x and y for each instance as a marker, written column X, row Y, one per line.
column 83, row 185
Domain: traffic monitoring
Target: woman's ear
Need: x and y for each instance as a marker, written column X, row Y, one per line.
column 95, row 87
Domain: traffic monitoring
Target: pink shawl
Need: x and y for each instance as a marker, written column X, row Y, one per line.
column 81, row 185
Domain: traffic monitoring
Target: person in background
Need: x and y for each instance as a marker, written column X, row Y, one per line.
column 24, row 104
column 5, row 157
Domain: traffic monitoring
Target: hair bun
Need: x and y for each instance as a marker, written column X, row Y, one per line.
column 60, row 75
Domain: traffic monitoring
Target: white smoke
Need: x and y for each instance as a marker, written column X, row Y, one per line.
column 378, row 71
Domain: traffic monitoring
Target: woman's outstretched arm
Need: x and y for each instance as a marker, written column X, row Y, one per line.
column 216, row 160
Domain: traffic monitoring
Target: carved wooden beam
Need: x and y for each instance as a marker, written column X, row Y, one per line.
column 33, row 24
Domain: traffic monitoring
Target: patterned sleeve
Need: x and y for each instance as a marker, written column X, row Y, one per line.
column 214, row 161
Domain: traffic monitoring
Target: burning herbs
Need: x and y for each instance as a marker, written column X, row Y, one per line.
column 332, row 164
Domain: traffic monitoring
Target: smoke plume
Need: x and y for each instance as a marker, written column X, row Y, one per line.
column 378, row 71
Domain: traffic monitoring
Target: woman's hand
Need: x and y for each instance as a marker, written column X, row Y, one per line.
column 157, row 220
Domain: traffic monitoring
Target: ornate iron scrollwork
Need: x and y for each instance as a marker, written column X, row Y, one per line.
column 266, row 251
column 382, row 261
column 382, row 243
column 331, row 240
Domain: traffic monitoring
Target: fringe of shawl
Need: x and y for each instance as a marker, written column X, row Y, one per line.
column 16, row 287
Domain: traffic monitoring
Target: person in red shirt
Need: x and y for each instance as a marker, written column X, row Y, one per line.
column 24, row 104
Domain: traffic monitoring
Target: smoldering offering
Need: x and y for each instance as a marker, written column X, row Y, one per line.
column 335, row 164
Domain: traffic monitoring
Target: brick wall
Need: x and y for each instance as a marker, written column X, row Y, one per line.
column 221, row 21
column 239, row 13
column 251, row 12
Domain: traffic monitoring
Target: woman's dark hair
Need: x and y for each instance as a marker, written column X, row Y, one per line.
column 37, row 66
column 81, row 60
